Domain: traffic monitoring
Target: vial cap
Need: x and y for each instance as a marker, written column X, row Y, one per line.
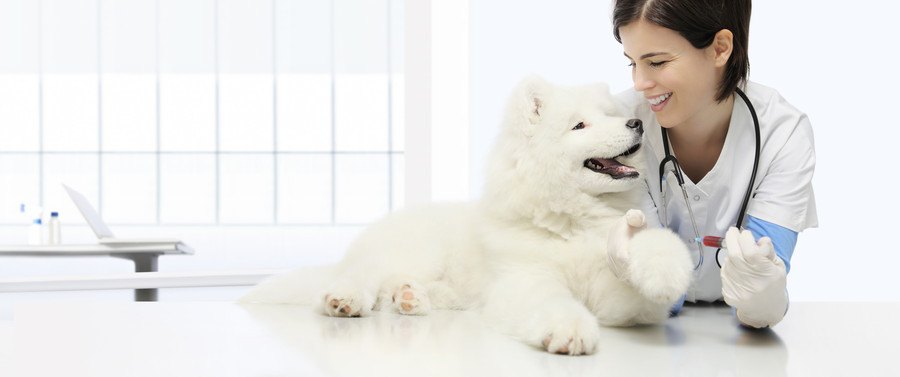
column 54, row 214
column 37, row 221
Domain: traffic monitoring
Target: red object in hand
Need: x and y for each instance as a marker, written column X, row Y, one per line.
column 713, row 241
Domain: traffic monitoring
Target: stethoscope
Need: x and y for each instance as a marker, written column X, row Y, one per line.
column 670, row 158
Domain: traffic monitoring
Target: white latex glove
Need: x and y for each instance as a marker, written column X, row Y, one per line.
column 754, row 279
column 618, row 238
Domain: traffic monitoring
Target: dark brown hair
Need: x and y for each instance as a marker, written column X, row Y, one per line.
column 698, row 21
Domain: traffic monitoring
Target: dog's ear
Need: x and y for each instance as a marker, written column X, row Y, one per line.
column 530, row 98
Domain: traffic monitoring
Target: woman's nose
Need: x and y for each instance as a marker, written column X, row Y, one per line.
column 641, row 81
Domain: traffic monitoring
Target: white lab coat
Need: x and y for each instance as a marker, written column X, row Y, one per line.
column 782, row 193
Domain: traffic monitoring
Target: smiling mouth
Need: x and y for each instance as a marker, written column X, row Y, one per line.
column 613, row 168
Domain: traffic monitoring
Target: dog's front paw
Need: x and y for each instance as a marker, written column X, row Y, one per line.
column 660, row 265
column 578, row 336
column 635, row 219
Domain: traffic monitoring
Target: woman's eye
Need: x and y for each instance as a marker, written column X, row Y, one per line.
column 658, row 64
column 579, row 126
column 631, row 64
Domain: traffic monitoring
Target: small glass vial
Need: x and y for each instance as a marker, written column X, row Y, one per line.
column 53, row 230
column 36, row 232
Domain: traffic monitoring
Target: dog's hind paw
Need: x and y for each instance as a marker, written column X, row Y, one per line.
column 410, row 300
column 343, row 306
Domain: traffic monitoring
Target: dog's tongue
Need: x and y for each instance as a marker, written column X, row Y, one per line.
column 615, row 169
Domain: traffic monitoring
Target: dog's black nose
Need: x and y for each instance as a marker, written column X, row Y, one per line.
column 635, row 124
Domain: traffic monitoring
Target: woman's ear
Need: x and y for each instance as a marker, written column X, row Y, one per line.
column 722, row 46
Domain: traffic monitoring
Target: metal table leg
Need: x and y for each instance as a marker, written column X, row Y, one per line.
column 145, row 263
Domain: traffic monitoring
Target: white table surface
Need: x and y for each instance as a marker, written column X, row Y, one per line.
column 94, row 249
column 226, row 339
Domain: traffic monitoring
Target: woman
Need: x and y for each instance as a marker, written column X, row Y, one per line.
column 688, row 58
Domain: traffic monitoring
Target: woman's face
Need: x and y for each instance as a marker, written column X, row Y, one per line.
column 678, row 80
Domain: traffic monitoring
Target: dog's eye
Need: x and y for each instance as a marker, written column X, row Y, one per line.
column 579, row 126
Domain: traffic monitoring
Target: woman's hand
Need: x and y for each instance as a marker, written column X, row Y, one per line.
column 754, row 279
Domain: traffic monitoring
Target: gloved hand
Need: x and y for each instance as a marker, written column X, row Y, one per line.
column 754, row 279
column 618, row 238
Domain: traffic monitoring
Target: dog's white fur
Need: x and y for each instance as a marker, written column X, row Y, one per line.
column 531, row 255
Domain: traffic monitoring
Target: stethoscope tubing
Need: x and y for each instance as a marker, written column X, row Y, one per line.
column 678, row 175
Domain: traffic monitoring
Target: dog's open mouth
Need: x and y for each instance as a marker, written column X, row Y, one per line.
column 613, row 168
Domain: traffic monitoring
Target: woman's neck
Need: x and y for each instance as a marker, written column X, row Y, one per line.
column 698, row 142
column 704, row 131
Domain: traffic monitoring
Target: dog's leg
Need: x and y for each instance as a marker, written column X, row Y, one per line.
column 618, row 240
column 539, row 309
column 653, row 261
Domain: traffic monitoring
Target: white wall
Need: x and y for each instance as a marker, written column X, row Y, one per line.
column 836, row 61
column 437, row 104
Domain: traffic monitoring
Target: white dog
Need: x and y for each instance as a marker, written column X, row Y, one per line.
column 552, row 250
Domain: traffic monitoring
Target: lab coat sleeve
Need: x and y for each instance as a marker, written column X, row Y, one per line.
column 784, row 195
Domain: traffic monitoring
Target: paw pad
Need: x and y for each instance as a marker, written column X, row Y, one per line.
column 410, row 301
column 341, row 307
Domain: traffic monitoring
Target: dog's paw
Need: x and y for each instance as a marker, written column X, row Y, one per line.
column 410, row 300
column 660, row 267
column 635, row 218
column 573, row 337
column 344, row 305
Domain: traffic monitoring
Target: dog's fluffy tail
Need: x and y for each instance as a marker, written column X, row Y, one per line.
column 298, row 287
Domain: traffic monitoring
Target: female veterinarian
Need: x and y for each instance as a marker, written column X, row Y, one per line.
column 744, row 154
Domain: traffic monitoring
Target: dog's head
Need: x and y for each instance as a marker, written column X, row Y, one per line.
column 565, row 147
column 576, row 136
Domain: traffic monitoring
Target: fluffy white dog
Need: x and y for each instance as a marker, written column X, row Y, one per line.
column 553, row 250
